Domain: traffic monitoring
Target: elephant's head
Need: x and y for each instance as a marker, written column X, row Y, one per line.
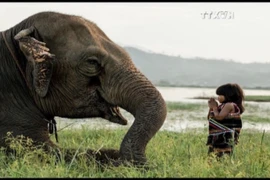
column 80, row 67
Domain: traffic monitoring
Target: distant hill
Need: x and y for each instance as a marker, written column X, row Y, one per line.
column 164, row 70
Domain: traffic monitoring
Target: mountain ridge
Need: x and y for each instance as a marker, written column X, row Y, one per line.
column 166, row 70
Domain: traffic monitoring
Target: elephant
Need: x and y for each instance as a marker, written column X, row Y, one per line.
column 56, row 64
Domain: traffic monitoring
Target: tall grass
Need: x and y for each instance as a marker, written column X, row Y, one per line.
column 169, row 154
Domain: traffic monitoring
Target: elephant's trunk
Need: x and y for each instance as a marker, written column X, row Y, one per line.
column 149, row 117
column 136, row 94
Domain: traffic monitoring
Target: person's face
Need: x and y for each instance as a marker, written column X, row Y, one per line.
column 221, row 98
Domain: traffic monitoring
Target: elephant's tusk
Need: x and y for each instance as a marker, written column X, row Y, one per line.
column 115, row 111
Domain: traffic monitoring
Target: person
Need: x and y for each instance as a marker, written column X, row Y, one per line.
column 224, row 119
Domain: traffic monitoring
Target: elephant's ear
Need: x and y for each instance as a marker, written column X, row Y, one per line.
column 38, row 54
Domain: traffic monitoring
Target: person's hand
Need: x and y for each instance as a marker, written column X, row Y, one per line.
column 212, row 103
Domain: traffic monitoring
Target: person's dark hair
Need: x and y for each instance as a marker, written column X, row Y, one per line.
column 232, row 93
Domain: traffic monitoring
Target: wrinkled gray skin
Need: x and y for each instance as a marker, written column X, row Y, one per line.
column 73, row 70
column 101, row 108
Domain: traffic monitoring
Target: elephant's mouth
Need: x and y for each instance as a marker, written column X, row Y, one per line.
column 116, row 116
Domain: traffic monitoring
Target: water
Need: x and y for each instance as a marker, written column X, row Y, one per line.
column 184, row 94
column 177, row 121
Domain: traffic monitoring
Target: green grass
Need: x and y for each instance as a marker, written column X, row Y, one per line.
column 169, row 154
column 254, row 118
column 183, row 106
column 257, row 98
column 198, row 111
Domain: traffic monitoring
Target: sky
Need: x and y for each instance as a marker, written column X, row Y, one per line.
column 229, row 31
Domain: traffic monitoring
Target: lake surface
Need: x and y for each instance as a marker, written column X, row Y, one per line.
column 184, row 94
column 176, row 122
column 181, row 94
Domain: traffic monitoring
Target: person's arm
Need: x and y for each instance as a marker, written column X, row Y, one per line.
column 208, row 115
column 211, row 103
column 228, row 108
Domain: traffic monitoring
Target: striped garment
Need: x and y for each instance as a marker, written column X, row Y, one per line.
column 224, row 134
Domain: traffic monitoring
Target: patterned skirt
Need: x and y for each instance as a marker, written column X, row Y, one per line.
column 223, row 135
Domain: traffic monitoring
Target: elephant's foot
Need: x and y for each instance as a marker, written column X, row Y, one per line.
column 102, row 157
column 113, row 157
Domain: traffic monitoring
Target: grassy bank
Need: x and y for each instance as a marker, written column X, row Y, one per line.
column 254, row 113
column 256, row 98
column 169, row 154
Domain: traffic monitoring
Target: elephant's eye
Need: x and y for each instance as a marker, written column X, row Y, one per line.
column 90, row 67
column 92, row 61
